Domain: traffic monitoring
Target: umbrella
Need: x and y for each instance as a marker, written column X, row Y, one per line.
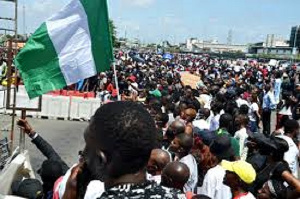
column 168, row 56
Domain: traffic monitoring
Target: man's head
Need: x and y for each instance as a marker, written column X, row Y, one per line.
column 175, row 175
column 206, row 113
column 189, row 114
column 28, row 188
column 119, row 140
column 182, row 144
column 272, row 189
column 244, row 109
column 267, row 87
column 240, row 121
column 291, row 127
column 188, row 93
column 176, row 127
column 221, row 148
column 226, row 121
column 239, row 174
column 161, row 120
column 50, row 171
column 157, row 162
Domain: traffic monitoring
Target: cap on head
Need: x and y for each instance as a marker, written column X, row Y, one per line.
column 243, row 169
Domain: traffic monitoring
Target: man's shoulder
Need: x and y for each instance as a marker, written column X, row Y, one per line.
column 166, row 192
column 147, row 190
column 216, row 171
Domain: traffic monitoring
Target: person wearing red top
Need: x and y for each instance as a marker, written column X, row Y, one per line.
column 109, row 86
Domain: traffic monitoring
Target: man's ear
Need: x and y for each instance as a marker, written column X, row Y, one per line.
column 102, row 156
column 180, row 150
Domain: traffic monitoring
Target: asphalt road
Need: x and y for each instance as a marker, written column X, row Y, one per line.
column 66, row 137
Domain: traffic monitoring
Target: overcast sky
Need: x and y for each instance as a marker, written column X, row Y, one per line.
column 177, row 20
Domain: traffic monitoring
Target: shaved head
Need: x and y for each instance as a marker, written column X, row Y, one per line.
column 186, row 141
column 157, row 162
column 178, row 127
column 175, row 175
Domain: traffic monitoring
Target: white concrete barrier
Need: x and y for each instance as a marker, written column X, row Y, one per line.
column 58, row 107
column 81, row 108
column 55, row 106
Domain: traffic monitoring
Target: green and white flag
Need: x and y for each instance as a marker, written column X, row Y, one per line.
column 72, row 45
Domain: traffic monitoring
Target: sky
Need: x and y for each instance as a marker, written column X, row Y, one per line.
column 177, row 20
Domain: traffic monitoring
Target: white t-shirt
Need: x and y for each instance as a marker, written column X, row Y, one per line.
column 286, row 111
column 253, row 108
column 190, row 161
column 94, row 190
column 249, row 195
column 213, row 186
column 201, row 124
column 291, row 156
column 241, row 135
column 241, row 102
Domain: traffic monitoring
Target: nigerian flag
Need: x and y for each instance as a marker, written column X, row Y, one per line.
column 72, row 45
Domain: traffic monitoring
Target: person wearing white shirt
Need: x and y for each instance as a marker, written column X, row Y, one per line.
column 291, row 131
column 241, row 135
column 158, row 160
column 240, row 101
column 181, row 146
column 213, row 186
column 254, row 115
column 217, row 111
column 202, row 123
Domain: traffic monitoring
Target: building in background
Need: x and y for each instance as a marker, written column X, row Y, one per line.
column 198, row 46
column 270, row 41
column 295, row 39
column 274, row 45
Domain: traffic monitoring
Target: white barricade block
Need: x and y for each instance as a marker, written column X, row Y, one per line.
column 83, row 108
column 45, row 106
column 22, row 90
column 74, row 107
column 2, row 101
column 95, row 104
column 58, row 107
column 87, row 108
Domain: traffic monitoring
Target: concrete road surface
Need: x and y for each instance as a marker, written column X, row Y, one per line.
column 66, row 137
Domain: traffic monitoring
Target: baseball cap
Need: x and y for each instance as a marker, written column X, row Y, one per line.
column 242, row 168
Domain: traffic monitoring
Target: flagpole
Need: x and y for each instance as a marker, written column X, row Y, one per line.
column 116, row 81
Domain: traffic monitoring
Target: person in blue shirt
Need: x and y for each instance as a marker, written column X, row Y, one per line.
column 269, row 104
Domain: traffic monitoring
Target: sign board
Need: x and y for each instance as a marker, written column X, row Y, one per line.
column 190, row 79
column 4, row 152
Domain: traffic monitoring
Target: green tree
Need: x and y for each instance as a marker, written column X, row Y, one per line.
column 113, row 32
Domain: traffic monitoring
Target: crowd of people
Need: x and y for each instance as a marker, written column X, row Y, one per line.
column 218, row 139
